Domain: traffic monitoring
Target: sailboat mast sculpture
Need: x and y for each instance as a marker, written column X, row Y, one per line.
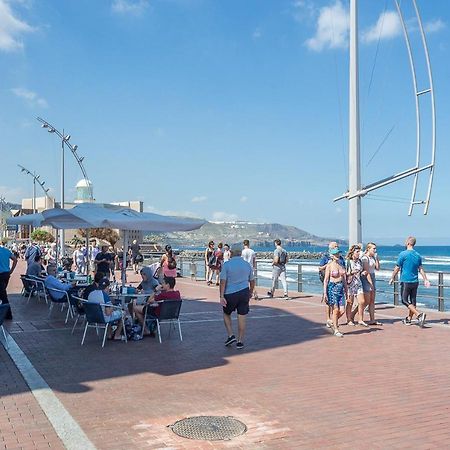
column 355, row 190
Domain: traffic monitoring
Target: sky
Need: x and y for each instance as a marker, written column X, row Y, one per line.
column 226, row 110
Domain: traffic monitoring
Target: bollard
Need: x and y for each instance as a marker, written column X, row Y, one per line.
column 299, row 278
column 441, row 305
column 396, row 293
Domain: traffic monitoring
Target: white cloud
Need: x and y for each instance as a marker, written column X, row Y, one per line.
column 170, row 212
column 434, row 26
column 303, row 10
column 30, row 97
column 133, row 7
column 388, row 26
column 199, row 199
column 331, row 28
column 244, row 198
column 13, row 195
column 11, row 29
column 221, row 216
column 256, row 34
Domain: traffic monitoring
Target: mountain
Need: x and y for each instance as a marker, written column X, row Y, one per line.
column 259, row 234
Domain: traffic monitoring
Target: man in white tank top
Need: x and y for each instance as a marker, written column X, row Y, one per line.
column 249, row 255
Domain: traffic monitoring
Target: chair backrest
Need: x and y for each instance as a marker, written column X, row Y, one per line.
column 77, row 303
column 94, row 312
column 4, row 308
column 170, row 309
column 27, row 283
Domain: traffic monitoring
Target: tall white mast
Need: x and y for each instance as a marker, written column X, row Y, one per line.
column 354, row 165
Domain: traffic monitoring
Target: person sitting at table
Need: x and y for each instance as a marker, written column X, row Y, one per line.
column 103, row 261
column 52, row 282
column 35, row 269
column 100, row 295
column 149, row 283
column 94, row 285
column 168, row 293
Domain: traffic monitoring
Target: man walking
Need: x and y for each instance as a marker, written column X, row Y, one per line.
column 409, row 263
column 237, row 282
column 249, row 255
column 280, row 259
column 5, row 273
column 31, row 252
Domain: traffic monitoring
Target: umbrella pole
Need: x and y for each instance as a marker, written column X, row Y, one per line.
column 124, row 260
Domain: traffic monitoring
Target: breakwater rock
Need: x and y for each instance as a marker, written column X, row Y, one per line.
column 196, row 254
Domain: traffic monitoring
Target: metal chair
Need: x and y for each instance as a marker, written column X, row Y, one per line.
column 38, row 287
column 27, row 286
column 65, row 299
column 95, row 318
column 78, row 307
column 4, row 309
column 169, row 313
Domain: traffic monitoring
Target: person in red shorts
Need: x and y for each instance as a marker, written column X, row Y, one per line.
column 168, row 293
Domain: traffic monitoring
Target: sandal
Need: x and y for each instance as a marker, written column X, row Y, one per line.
column 362, row 323
column 375, row 323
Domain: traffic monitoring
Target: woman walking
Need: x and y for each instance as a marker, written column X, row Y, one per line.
column 335, row 288
column 209, row 262
column 168, row 263
column 370, row 263
column 356, row 301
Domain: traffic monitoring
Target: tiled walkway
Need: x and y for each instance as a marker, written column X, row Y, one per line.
column 294, row 385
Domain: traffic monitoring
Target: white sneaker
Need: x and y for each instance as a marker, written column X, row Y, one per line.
column 337, row 333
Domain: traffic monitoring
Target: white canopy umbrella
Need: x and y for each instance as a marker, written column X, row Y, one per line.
column 34, row 220
column 91, row 215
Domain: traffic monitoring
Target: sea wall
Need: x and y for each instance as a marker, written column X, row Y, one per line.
column 195, row 254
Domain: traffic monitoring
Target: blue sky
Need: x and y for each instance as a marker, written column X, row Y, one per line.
column 223, row 109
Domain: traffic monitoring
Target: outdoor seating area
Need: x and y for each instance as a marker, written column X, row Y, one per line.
column 78, row 310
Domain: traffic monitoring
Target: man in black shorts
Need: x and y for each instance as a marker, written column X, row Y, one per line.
column 409, row 262
column 237, row 283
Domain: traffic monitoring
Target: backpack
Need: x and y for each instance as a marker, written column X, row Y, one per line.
column 282, row 258
column 212, row 261
column 171, row 263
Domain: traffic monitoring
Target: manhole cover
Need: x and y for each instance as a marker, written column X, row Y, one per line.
column 209, row 428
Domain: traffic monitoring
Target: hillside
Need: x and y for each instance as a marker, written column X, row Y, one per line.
column 259, row 234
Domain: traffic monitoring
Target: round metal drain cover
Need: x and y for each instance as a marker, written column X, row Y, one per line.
column 209, row 428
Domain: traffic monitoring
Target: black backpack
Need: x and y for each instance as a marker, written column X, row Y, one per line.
column 282, row 258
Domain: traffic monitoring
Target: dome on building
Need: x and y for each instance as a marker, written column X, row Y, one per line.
column 85, row 191
column 83, row 183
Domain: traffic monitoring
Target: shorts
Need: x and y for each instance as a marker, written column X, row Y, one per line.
column 114, row 316
column 409, row 293
column 237, row 301
column 366, row 285
column 335, row 292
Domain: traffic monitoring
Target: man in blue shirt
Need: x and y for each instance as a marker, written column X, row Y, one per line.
column 237, row 283
column 409, row 263
column 5, row 273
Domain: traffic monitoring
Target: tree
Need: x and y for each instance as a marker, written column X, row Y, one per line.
column 42, row 236
column 107, row 234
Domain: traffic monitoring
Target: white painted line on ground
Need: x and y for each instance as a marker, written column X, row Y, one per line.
column 65, row 426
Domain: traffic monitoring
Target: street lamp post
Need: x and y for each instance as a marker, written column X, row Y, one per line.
column 36, row 179
column 73, row 148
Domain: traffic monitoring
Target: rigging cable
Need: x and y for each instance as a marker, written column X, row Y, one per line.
column 381, row 144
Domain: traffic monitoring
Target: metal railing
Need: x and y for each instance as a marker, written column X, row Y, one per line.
column 308, row 281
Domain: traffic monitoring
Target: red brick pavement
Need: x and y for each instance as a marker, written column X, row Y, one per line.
column 294, row 385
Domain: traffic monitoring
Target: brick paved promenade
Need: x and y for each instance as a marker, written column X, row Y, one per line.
column 294, row 385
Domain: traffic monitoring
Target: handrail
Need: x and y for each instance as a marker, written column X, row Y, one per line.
column 303, row 279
